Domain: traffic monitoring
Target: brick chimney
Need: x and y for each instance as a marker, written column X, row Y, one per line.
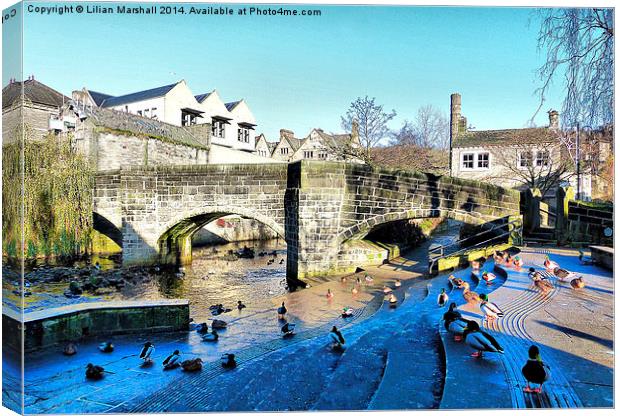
column 554, row 119
column 355, row 131
column 286, row 133
column 455, row 115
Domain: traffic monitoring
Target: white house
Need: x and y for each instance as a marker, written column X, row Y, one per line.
column 231, row 124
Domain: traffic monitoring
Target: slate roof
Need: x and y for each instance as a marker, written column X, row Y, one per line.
column 201, row 97
column 126, row 122
column 272, row 146
column 99, row 97
column 294, row 142
column 34, row 91
column 504, row 137
column 334, row 139
column 138, row 96
column 231, row 105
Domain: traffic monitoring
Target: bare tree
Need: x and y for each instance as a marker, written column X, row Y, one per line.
column 430, row 129
column 372, row 121
column 579, row 45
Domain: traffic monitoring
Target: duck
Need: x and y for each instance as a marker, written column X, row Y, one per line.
column 192, row 365
column 172, row 361
column 456, row 281
column 387, row 289
column 281, row 311
column 454, row 322
column 228, row 360
column 541, row 284
column 70, row 349
column 217, row 323
column 329, row 294
column 497, row 257
column 475, row 265
column 563, row 274
column 535, row 371
column 533, row 274
column 270, row 262
column 442, row 298
column 488, row 277
column 337, row 340
column 288, row 330
column 213, row 336
column 106, row 347
column 397, row 283
column 203, row 328
column 586, row 260
column 480, row 340
column 281, row 261
column 354, row 290
column 550, row 265
column 490, row 310
column 368, row 279
column 468, row 295
column 343, row 279
column 517, row 262
column 240, row 305
column 347, row 312
column 94, row 372
column 358, row 281
column 578, row 283
column 393, row 300
column 147, row 351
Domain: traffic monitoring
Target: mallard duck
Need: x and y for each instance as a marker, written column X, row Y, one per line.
column 94, row 372
column 240, row 305
column 468, row 295
column 442, row 298
column 497, row 257
column 386, row 289
column 563, row 274
column 517, row 262
column 535, row 371
column 393, row 300
column 337, row 339
column 329, row 294
column 454, row 322
column 70, row 349
column 213, row 336
column 480, row 340
column 550, row 265
column 354, row 290
column 202, row 328
column 218, row 324
column 455, row 281
column 228, row 361
column 343, row 279
column 172, row 361
column 347, row 312
column 587, row 260
column 281, row 311
column 106, row 347
column 368, row 279
column 490, row 310
column 397, row 283
column 147, row 351
column 288, row 330
column 578, row 283
column 192, row 365
column 541, row 284
column 475, row 265
column 488, row 277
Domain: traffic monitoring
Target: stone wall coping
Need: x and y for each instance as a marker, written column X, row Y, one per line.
column 605, row 249
column 202, row 168
column 90, row 306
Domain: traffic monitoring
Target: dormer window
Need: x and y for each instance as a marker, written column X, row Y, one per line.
column 189, row 116
column 218, row 126
column 243, row 134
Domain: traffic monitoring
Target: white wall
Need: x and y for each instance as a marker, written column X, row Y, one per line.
column 157, row 103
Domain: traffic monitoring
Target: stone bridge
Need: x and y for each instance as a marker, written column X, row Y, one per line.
column 315, row 206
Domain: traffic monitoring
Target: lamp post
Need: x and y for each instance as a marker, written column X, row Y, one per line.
column 577, row 160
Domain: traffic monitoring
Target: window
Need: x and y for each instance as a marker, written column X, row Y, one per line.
column 187, row 118
column 243, row 134
column 139, row 112
column 468, row 161
column 323, row 155
column 146, row 112
column 308, row 154
column 284, row 150
column 153, row 115
column 525, row 159
column 483, row 160
column 542, row 158
column 217, row 128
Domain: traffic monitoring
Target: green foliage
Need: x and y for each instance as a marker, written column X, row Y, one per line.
column 55, row 202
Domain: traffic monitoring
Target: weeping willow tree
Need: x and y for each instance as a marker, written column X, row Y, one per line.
column 56, row 197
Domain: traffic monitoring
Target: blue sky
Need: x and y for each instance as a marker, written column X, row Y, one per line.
column 302, row 72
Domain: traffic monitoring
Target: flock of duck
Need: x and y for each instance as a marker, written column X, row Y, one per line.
column 535, row 370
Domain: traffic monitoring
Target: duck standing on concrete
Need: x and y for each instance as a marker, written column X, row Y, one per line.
column 347, row 312
column 281, row 311
column 517, row 262
column 393, row 300
column 203, row 328
column 578, row 283
column 172, row 361
column 367, row 278
column 535, row 371
column 147, row 351
column 288, row 330
column 397, row 283
column 387, row 290
column 106, row 347
column 442, row 299
column 541, row 283
column 228, row 361
column 550, row 265
column 192, row 365
column 468, row 295
column 354, row 290
column 480, row 340
column 455, row 281
column 240, row 305
column 488, row 277
column 490, row 310
column 454, row 322
column 563, row 274
column 94, row 372
column 211, row 337
column 497, row 257
column 337, row 340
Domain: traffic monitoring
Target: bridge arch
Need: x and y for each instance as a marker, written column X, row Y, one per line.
column 106, row 227
column 175, row 241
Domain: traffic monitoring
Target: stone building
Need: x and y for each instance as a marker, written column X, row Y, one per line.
column 33, row 101
column 232, row 124
column 511, row 157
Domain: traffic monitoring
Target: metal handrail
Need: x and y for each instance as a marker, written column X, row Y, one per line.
column 458, row 242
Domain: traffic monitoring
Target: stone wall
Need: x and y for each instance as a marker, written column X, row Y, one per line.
column 586, row 223
column 36, row 116
column 233, row 228
column 71, row 323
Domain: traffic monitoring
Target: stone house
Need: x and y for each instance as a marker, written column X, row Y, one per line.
column 511, row 157
column 231, row 123
column 33, row 101
column 263, row 147
column 286, row 147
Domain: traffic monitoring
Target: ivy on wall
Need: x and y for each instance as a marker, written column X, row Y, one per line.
column 56, row 197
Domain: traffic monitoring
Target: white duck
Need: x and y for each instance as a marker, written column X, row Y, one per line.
column 488, row 277
column 550, row 265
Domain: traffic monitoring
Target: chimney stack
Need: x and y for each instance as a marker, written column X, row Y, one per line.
column 455, row 115
column 355, row 131
column 554, row 119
